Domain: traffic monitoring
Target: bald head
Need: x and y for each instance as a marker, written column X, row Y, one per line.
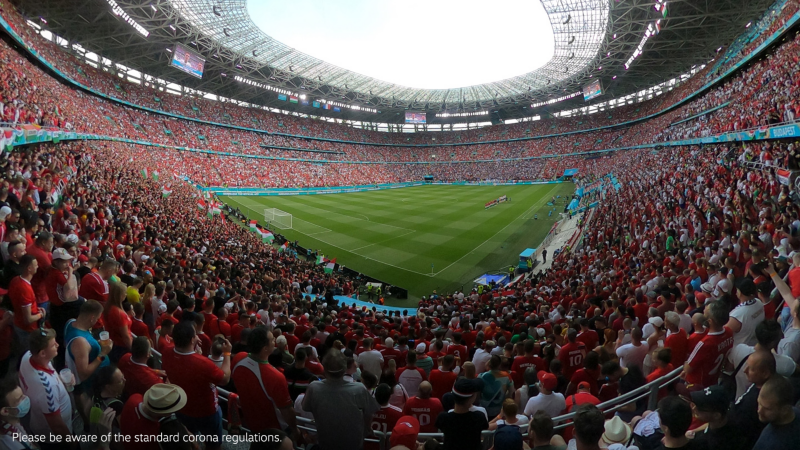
column 761, row 367
column 698, row 319
column 425, row 390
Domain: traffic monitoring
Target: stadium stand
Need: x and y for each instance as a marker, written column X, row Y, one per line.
column 684, row 281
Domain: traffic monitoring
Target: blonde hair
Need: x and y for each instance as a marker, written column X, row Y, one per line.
column 469, row 370
column 117, row 293
column 509, row 407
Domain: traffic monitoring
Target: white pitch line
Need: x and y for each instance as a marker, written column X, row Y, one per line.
column 386, row 240
column 498, row 232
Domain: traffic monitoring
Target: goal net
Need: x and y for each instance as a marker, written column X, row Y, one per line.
column 278, row 218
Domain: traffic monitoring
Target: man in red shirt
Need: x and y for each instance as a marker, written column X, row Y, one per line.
column 458, row 349
column 139, row 377
column 676, row 340
column 589, row 337
column 424, row 408
column 41, row 249
column 521, row 363
column 198, row 376
column 263, row 392
column 291, row 339
column 23, row 299
column 698, row 323
column 388, row 352
column 165, row 336
column 94, row 285
column 589, row 374
column 385, row 419
column 142, row 414
column 703, row 367
column 572, row 354
column 443, row 379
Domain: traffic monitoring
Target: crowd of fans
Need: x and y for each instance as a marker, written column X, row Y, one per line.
column 127, row 310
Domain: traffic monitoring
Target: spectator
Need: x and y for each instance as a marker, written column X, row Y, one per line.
column 14, row 406
column 85, row 355
column 411, row 376
column 370, row 359
column 197, row 376
column 782, row 418
column 572, row 354
column 26, row 309
column 747, row 314
column 508, row 416
column 677, row 340
column 541, row 434
column 386, row 418
column 139, row 377
column 548, row 401
column 117, row 322
column 461, row 426
column 633, row 353
column 589, row 374
column 744, row 413
column 589, row 428
column 145, row 415
column 710, row 406
column 404, row 434
column 424, row 408
column 443, row 378
column 676, row 418
column 703, row 367
column 108, row 387
column 343, row 410
column 298, row 376
column 51, row 408
column 768, row 335
column 497, row 386
column 628, row 379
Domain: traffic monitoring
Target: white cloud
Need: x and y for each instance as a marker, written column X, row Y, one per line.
column 434, row 44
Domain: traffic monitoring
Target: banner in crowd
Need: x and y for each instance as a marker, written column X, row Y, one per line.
column 784, row 176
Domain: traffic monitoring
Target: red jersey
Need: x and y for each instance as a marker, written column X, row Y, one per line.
column 94, row 287
column 133, row 422
column 22, row 296
column 679, row 344
column 521, row 363
column 205, row 344
column 458, row 351
column 707, row 357
column 425, row 410
column 198, row 376
column 139, row 328
column 589, row 376
column 262, row 392
column 384, row 420
column 54, row 285
column 138, row 377
column 589, row 338
column 571, row 356
column 118, row 325
column 164, row 343
column 390, row 354
column 442, row 382
column 694, row 338
column 45, row 260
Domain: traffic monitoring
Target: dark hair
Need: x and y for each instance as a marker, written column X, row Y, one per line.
column 40, row 339
column 26, row 260
column 102, row 378
column 768, row 333
column 664, row 355
column 589, row 424
column 91, row 307
column 140, row 348
column 257, row 340
column 369, row 379
column 7, row 386
column 183, row 334
column 383, row 393
column 542, row 425
column 780, row 389
column 592, row 360
column 676, row 414
column 610, row 367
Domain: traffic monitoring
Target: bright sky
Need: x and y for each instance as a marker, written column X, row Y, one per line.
column 432, row 44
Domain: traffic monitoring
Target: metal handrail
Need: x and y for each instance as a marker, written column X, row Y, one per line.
column 649, row 391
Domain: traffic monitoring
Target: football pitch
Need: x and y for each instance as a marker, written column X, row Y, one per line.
column 424, row 238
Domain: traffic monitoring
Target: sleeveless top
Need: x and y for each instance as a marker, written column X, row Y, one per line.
column 70, row 334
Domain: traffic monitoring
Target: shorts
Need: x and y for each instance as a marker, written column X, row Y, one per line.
column 208, row 425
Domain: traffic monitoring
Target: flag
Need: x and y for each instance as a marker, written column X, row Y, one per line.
column 292, row 99
column 165, row 192
column 329, row 267
column 267, row 237
column 336, row 109
column 784, row 176
column 253, row 224
column 320, row 259
column 201, row 204
column 145, row 173
column 326, row 106
column 315, row 104
column 284, row 247
column 282, row 97
column 155, row 176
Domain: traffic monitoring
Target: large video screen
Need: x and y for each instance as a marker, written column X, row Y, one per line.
column 592, row 90
column 416, row 117
column 189, row 62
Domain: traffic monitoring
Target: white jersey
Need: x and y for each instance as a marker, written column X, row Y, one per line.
column 47, row 393
column 750, row 314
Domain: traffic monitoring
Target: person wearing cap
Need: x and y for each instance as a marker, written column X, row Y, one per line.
column 548, row 401
column 404, row 434
column 343, row 411
column 746, row 316
column 62, row 292
column 583, row 395
column 710, row 406
column 462, row 426
column 143, row 415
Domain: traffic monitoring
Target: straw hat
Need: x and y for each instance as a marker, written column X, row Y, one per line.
column 616, row 431
column 163, row 398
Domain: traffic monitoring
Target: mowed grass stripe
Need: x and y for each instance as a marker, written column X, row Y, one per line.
column 372, row 231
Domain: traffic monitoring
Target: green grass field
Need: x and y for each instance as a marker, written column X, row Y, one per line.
column 419, row 238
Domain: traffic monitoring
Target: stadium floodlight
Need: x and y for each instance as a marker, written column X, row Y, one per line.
column 278, row 218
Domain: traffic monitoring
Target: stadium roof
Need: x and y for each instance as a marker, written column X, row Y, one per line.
column 595, row 39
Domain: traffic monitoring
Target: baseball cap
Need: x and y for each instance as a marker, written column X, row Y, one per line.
column 584, row 385
column 421, row 347
column 712, row 399
column 61, row 253
column 465, row 387
column 656, row 321
column 508, row 437
column 548, row 380
column 4, row 212
column 405, row 432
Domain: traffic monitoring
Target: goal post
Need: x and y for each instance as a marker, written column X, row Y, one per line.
column 278, row 218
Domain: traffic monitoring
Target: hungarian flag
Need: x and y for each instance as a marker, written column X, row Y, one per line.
column 155, row 176
column 267, row 237
column 145, row 173
column 329, row 267
column 784, row 176
column 320, row 259
column 253, row 224
column 284, row 247
column 201, row 204
column 165, row 192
